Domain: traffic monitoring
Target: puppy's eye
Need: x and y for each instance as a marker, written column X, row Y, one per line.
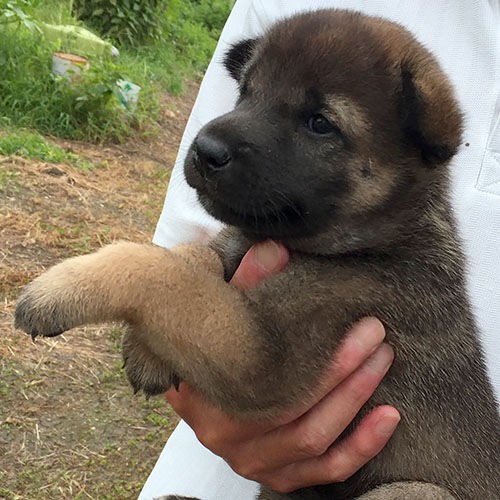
column 319, row 124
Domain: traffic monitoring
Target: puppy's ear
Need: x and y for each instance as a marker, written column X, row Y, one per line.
column 429, row 113
column 238, row 55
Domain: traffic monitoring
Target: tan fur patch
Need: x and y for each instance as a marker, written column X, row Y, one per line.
column 348, row 115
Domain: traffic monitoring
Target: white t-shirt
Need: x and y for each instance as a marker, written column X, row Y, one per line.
column 465, row 37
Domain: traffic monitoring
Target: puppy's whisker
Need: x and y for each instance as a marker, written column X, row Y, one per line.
column 289, row 204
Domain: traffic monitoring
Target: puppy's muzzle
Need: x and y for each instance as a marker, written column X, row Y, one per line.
column 211, row 154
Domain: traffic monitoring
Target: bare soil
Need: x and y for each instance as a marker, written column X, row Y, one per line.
column 69, row 424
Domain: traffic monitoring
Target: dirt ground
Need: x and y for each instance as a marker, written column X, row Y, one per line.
column 69, row 424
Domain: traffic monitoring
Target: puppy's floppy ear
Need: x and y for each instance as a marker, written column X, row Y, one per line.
column 238, row 55
column 429, row 113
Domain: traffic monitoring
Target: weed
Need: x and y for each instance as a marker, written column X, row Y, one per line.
column 115, row 335
column 114, row 375
column 151, row 437
column 7, row 178
column 30, row 145
column 32, row 96
column 159, row 420
column 126, row 22
column 16, row 11
column 190, row 32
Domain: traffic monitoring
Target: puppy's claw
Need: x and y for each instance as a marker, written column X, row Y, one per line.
column 176, row 381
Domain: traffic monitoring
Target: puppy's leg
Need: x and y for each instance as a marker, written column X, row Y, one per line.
column 184, row 318
column 88, row 289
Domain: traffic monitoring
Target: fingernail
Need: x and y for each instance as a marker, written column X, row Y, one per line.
column 368, row 333
column 381, row 359
column 387, row 424
column 268, row 255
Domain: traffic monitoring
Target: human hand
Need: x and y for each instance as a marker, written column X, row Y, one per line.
column 299, row 448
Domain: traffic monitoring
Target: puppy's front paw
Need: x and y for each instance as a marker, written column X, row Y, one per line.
column 145, row 371
column 40, row 312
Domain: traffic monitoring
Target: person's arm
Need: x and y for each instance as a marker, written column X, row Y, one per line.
column 300, row 449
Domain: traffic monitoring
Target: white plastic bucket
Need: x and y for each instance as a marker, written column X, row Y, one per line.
column 69, row 65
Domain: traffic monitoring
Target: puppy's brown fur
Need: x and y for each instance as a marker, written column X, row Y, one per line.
column 338, row 146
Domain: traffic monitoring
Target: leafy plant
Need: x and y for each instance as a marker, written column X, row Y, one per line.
column 15, row 11
column 126, row 21
column 33, row 97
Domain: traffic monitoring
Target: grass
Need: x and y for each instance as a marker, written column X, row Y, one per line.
column 32, row 97
column 70, row 447
column 69, row 425
column 28, row 144
column 87, row 109
column 7, row 178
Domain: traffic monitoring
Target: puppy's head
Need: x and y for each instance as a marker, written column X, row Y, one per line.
column 340, row 116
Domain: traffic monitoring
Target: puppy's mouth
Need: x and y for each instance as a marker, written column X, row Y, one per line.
column 269, row 221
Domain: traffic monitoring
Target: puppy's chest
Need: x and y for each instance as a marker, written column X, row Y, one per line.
column 313, row 292
column 325, row 292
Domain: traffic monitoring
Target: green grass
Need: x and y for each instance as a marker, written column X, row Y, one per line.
column 189, row 33
column 159, row 420
column 32, row 97
column 32, row 145
column 191, row 30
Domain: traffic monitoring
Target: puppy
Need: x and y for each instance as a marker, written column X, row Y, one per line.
column 338, row 147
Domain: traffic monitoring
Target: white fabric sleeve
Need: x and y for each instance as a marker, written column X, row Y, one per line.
column 465, row 37
column 183, row 219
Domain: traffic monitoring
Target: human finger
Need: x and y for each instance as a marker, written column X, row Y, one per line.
column 262, row 260
column 342, row 460
column 221, row 432
column 313, row 433
column 215, row 429
column 359, row 344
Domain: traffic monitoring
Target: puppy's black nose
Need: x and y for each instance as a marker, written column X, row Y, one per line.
column 213, row 154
